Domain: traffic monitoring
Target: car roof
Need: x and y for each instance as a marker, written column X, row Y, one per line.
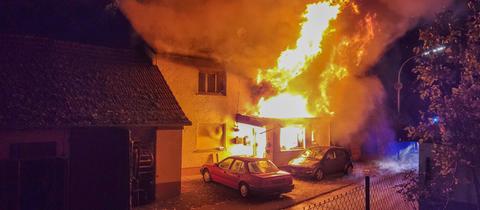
column 327, row 147
column 246, row 158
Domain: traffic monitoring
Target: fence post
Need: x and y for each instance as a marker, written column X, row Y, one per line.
column 367, row 192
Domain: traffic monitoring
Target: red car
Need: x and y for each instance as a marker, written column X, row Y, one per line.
column 249, row 175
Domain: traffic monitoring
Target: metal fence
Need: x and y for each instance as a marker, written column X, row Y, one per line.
column 382, row 191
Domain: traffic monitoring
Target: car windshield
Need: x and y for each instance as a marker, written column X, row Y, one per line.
column 262, row 166
column 314, row 153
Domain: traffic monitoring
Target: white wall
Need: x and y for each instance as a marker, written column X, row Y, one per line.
column 209, row 109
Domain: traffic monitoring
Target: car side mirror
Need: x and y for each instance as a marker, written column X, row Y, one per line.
column 216, row 164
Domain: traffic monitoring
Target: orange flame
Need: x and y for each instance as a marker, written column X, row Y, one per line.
column 276, row 107
column 292, row 62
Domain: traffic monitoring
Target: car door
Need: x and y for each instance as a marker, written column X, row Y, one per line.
column 237, row 170
column 329, row 162
column 219, row 173
column 341, row 158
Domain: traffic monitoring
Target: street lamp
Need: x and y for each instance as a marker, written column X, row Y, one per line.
column 398, row 85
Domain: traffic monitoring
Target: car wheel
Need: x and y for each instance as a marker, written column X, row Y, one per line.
column 349, row 170
column 319, row 175
column 206, row 176
column 244, row 190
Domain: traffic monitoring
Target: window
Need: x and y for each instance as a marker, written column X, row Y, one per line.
column 238, row 167
column 212, row 82
column 340, row 154
column 331, row 155
column 210, row 137
column 262, row 166
column 292, row 138
column 225, row 164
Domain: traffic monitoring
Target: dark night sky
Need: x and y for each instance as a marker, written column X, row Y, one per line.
column 93, row 22
column 387, row 69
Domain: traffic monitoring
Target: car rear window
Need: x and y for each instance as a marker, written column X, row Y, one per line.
column 262, row 166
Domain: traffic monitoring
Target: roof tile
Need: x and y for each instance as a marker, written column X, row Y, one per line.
column 50, row 83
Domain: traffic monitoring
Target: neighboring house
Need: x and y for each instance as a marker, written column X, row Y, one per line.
column 213, row 98
column 84, row 127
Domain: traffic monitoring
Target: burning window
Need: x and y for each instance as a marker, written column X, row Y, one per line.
column 292, row 138
column 212, row 82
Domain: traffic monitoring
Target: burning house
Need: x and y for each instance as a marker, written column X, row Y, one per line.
column 274, row 62
column 269, row 117
column 214, row 99
column 88, row 117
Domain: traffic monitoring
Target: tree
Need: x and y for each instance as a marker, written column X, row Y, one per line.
column 449, row 83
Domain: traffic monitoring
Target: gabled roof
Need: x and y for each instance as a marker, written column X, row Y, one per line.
column 46, row 83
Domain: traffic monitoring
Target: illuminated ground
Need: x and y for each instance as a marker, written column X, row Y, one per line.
column 198, row 195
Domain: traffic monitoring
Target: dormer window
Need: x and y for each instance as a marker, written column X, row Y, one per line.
column 212, row 83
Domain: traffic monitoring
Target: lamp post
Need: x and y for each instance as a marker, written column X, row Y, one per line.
column 399, row 85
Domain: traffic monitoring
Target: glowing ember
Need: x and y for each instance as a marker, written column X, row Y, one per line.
column 284, row 105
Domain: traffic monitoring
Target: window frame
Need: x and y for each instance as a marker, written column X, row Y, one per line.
column 220, row 75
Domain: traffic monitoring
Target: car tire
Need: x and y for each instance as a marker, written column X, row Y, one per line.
column 207, row 177
column 319, row 175
column 244, row 190
column 349, row 170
